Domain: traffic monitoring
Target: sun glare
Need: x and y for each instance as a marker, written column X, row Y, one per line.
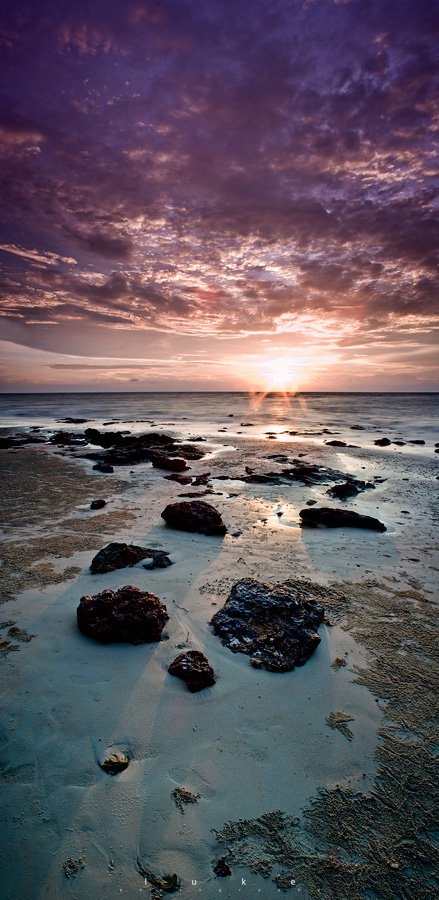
column 281, row 373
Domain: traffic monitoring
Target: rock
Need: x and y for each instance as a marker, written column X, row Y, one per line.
column 174, row 464
column 247, row 425
column 358, row 428
column 416, row 442
column 193, row 668
column 119, row 556
column 182, row 479
column 382, row 442
column 115, row 762
column 222, row 869
column 10, row 441
column 98, row 504
column 103, row 467
column 399, row 443
column 194, row 515
column 311, row 502
column 201, row 479
column 125, row 449
column 70, row 421
column 67, row 437
column 128, row 615
column 160, row 560
column 339, row 518
column 349, row 488
column 336, row 443
column 274, row 624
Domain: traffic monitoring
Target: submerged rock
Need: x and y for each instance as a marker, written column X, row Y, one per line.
column 274, row 624
column 181, row 479
column 173, row 464
column 119, row 556
column 128, row 615
column 382, row 442
column 194, row 515
column 194, row 669
column 98, row 504
column 339, row 518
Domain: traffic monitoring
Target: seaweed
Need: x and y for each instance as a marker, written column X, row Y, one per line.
column 182, row 797
column 339, row 721
column 160, row 884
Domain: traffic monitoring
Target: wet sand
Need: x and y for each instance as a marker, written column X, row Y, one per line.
column 254, row 743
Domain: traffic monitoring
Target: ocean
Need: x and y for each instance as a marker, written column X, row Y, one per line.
column 357, row 418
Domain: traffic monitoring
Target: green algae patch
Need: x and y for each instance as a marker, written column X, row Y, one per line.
column 383, row 845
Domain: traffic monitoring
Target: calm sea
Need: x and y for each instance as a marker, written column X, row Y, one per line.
column 405, row 416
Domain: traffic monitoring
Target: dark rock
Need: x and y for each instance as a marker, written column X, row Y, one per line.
column 349, row 488
column 10, row 441
column 125, row 449
column 416, row 442
column 382, row 442
column 247, row 425
column 194, row 515
column 103, row 467
column 339, row 518
column 119, row 556
column 222, row 869
column 201, row 479
column 336, row 443
column 193, row 668
column 181, row 479
column 98, row 504
column 399, row 443
column 67, row 438
column 128, row 615
column 274, row 624
column 174, row 464
column 358, row 428
column 198, row 439
column 70, row 421
column 202, row 493
column 160, row 560
column 311, row 502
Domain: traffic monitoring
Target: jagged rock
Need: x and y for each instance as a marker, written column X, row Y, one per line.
column 128, row 615
column 103, row 467
column 174, row 464
column 194, row 669
column 382, row 442
column 339, row 518
column 222, row 869
column 98, row 504
column 119, row 556
column 121, row 449
column 194, row 515
column 274, row 624
column 19, row 440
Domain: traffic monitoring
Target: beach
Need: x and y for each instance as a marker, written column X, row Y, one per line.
column 344, row 747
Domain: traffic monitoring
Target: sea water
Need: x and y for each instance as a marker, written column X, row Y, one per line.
column 357, row 418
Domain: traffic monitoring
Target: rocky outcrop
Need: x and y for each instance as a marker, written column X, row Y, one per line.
column 181, row 479
column 382, row 442
column 67, row 438
column 119, row 556
column 194, row 669
column 120, row 449
column 274, row 624
column 194, row 515
column 128, row 615
column 336, row 443
column 339, row 518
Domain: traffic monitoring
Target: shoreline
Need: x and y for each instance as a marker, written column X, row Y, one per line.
column 80, row 688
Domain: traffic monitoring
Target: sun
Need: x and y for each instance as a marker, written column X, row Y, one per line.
column 281, row 373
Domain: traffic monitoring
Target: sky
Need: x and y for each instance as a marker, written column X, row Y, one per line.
column 219, row 195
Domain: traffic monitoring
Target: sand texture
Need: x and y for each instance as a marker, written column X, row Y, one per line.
column 326, row 776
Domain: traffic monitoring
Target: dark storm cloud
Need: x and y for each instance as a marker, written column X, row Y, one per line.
column 220, row 165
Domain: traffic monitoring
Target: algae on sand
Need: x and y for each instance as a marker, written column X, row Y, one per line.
column 383, row 845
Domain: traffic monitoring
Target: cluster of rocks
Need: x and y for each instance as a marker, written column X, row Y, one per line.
column 119, row 556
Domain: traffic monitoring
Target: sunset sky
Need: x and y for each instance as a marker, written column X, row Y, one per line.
column 219, row 195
